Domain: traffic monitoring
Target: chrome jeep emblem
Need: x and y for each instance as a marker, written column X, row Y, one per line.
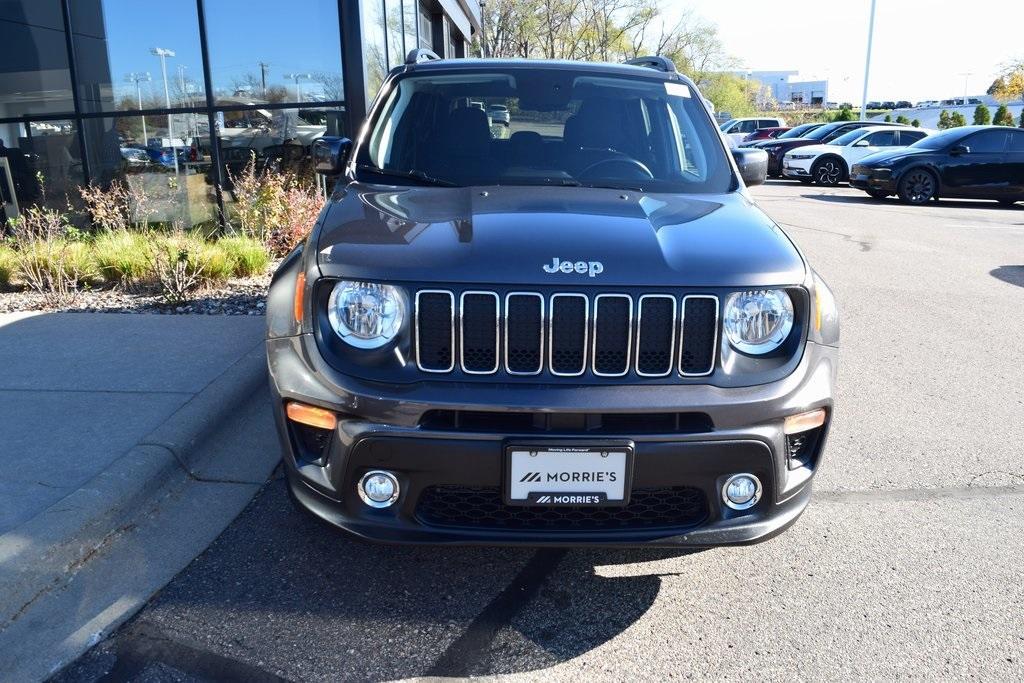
column 591, row 268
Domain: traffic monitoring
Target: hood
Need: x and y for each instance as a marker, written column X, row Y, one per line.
column 522, row 236
column 893, row 155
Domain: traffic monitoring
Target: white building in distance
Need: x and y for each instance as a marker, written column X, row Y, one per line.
column 785, row 87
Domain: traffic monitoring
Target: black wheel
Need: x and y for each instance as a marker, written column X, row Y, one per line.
column 878, row 194
column 829, row 171
column 918, row 186
column 1008, row 202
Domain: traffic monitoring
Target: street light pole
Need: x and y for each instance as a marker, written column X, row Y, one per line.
column 163, row 54
column 137, row 79
column 867, row 64
column 967, row 77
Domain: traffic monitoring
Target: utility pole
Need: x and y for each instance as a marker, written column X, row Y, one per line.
column 867, row 64
column 184, row 93
column 138, row 79
column 163, row 54
column 297, row 78
column 264, row 68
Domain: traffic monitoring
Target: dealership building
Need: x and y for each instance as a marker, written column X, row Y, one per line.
column 786, row 86
column 174, row 96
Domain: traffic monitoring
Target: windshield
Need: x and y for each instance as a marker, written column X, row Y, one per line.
column 939, row 140
column 823, row 132
column 846, row 138
column 564, row 127
column 799, row 131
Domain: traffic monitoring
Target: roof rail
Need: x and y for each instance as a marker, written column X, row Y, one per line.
column 654, row 62
column 420, row 54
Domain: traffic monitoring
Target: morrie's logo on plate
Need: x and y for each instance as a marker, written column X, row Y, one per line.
column 597, row 476
column 557, row 265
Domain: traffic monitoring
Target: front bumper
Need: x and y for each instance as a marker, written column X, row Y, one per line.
column 799, row 168
column 873, row 180
column 387, row 427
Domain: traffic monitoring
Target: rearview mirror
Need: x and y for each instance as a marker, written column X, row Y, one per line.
column 330, row 154
column 752, row 164
column 957, row 150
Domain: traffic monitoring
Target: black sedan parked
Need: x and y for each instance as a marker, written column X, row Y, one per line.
column 974, row 162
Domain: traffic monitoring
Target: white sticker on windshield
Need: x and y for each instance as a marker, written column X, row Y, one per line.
column 677, row 89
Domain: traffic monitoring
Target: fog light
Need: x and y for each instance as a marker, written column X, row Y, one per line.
column 741, row 491
column 378, row 489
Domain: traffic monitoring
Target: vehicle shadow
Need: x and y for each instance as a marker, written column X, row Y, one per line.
column 1013, row 275
column 279, row 581
column 894, row 201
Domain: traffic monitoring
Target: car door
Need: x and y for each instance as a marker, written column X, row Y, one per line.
column 978, row 171
column 879, row 141
column 1015, row 162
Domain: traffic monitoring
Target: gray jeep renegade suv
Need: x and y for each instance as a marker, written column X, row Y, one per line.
column 573, row 329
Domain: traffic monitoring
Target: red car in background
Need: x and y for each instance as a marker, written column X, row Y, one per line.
column 765, row 133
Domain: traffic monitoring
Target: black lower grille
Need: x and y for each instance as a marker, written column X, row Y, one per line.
column 482, row 508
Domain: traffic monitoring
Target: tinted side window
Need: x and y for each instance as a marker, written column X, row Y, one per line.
column 767, row 123
column 883, row 138
column 1016, row 142
column 747, row 127
column 908, row 137
column 987, row 142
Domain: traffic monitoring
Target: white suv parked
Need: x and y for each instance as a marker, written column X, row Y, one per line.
column 737, row 129
column 829, row 164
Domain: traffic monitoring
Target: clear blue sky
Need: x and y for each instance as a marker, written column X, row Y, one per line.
column 920, row 47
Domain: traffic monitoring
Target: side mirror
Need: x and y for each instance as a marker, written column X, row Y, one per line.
column 862, row 143
column 957, row 150
column 752, row 163
column 330, row 154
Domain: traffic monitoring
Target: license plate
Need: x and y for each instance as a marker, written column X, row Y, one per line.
column 568, row 475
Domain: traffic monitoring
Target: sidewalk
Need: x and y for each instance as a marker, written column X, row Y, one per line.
column 127, row 443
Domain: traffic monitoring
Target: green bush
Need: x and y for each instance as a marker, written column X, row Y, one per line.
column 916, row 123
column 1003, row 116
column 903, row 119
column 888, row 118
column 248, row 256
column 123, row 256
column 8, row 265
column 982, row 117
column 957, row 119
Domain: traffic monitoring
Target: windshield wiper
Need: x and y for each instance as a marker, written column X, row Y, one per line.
column 614, row 186
column 413, row 174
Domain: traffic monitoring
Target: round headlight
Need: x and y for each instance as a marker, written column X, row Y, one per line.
column 757, row 322
column 366, row 315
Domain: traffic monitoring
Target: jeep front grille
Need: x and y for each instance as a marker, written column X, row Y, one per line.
column 566, row 334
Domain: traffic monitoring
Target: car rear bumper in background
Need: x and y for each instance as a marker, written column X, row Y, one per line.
column 451, row 468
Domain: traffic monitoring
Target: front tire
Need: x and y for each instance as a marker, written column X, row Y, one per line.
column 918, row 186
column 830, row 172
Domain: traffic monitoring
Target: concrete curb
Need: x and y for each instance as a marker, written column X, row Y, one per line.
column 42, row 557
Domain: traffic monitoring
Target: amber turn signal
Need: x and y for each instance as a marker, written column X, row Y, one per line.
column 795, row 424
column 300, row 293
column 311, row 415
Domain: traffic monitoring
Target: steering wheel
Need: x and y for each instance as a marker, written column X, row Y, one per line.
column 626, row 163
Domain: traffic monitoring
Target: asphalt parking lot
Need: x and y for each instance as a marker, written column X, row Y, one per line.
column 908, row 563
